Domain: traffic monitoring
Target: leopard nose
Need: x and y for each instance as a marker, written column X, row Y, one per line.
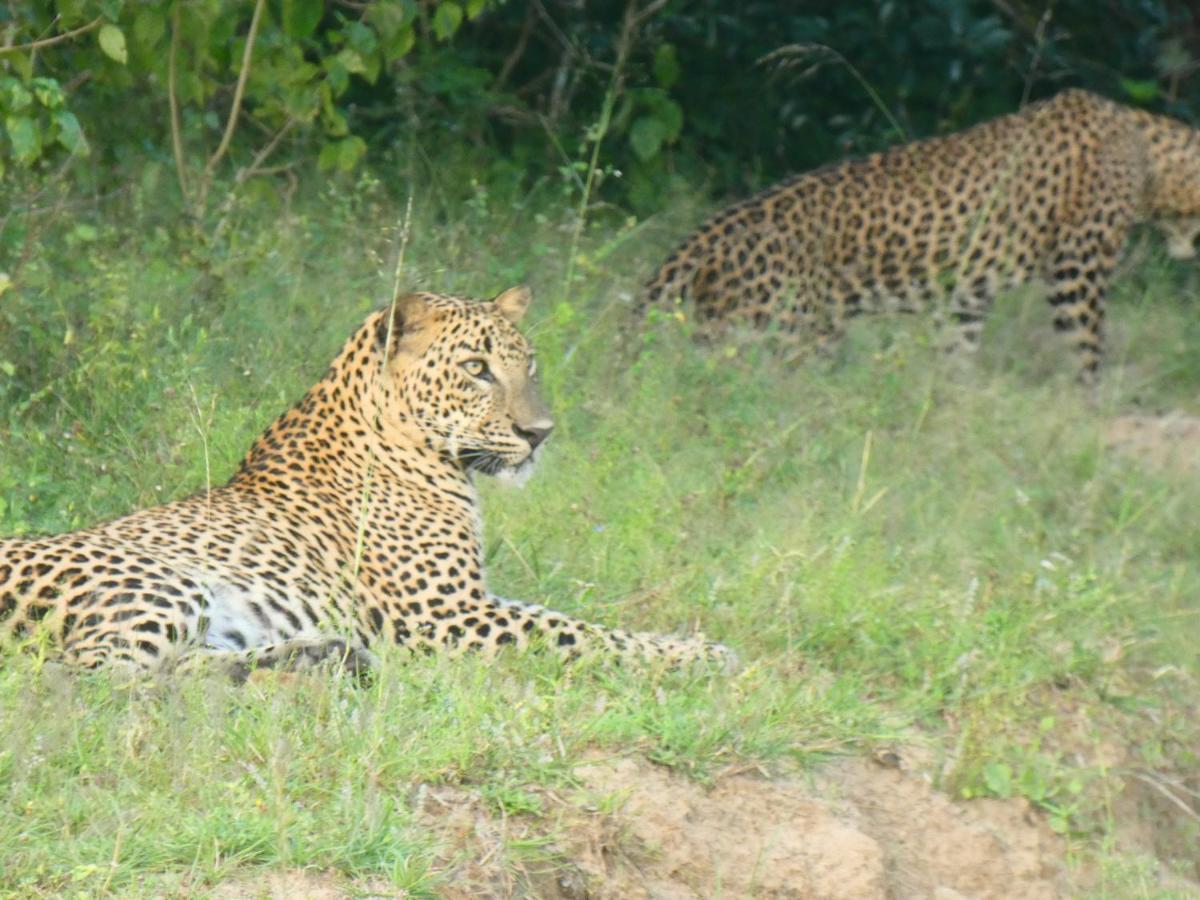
column 534, row 433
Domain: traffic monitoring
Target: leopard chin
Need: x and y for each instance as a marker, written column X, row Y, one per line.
column 518, row 475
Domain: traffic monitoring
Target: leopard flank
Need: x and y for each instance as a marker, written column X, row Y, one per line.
column 1047, row 194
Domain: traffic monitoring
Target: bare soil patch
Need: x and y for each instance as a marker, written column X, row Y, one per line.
column 857, row 830
column 1170, row 441
column 295, row 884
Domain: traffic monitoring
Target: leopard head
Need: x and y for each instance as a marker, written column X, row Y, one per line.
column 460, row 377
column 1174, row 198
column 1180, row 232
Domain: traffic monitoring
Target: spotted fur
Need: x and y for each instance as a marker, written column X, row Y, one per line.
column 1047, row 194
column 352, row 521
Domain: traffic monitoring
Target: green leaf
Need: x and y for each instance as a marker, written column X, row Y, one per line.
column 327, row 158
column 1139, row 90
column 73, row 13
column 339, row 78
column 301, row 17
column 111, row 9
column 388, row 18
column 26, row 141
column 48, row 91
column 13, row 95
column 343, row 154
column 331, row 117
column 22, row 64
column 352, row 149
column 670, row 114
column 112, row 42
column 475, row 7
column 666, row 65
column 998, row 778
column 372, row 65
column 446, row 20
column 85, row 233
column 149, row 28
column 361, row 38
column 646, row 137
column 400, row 43
column 352, row 61
column 70, row 134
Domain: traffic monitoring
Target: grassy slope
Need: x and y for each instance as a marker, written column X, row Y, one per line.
column 899, row 553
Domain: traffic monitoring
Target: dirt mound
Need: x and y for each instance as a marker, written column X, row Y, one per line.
column 858, row 830
column 1170, row 441
column 855, row 830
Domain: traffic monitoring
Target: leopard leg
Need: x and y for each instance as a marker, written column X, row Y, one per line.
column 139, row 630
column 1079, row 272
column 1084, row 253
column 962, row 317
column 826, row 317
column 497, row 622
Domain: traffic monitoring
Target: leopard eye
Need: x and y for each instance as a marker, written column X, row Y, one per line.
column 477, row 368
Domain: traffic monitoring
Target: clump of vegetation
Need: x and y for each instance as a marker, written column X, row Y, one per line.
column 248, row 88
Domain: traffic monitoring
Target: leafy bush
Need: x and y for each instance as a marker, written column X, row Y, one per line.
column 673, row 90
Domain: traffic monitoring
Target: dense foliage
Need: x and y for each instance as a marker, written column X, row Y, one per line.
column 648, row 89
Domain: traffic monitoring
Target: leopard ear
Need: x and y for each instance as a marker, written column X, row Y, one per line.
column 514, row 302
column 404, row 316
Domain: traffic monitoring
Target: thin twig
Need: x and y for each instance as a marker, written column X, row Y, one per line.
column 247, row 172
column 368, row 476
column 236, row 107
column 1039, row 37
column 235, row 110
column 1162, row 789
column 77, row 81
column 398, row 275
column 780, row 56
column 255, row 167
column 518, row 50
column 567, row 44
column 633, row 20
column 57, row 39
column 266, row 171
column 201, row 429
column 642, row 17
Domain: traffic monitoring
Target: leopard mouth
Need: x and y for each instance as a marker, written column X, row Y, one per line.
column 500, row 465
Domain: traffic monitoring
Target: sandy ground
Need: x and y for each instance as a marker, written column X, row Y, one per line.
column 857, row 830
column 1170, row 441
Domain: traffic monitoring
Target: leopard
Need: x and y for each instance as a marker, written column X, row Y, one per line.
column 353, row 522
column 1048, row 194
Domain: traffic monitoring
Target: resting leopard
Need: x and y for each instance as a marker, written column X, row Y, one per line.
column 1046, row 194
column 353, row 520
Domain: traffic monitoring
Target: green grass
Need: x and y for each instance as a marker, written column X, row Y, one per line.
column 901, row 553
